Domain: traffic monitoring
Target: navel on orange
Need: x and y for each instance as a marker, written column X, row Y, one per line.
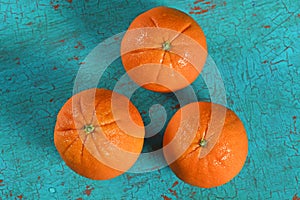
column 163, row 49
column 99, row 133
column 225, row 158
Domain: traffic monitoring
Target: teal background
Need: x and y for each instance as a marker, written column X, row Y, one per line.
column 255, row 44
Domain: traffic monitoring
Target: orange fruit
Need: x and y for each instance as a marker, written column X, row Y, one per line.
column 99, row 133
column 213, row 152
column 163, row 49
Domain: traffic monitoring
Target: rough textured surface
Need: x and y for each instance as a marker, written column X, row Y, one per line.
column 254, row 43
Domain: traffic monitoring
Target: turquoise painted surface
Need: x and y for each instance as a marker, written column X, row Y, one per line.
column 254, row 44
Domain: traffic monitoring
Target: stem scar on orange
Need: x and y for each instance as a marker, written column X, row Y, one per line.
column 94, row 134
column 226, row 158
column 167, row 45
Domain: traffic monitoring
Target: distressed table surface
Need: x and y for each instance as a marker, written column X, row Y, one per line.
column 255, row 44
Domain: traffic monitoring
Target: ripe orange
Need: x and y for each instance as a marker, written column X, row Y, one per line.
column 228, row 150
column 99, row 133
column 163, row 49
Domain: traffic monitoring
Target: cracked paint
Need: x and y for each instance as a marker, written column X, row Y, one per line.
column 255, row 45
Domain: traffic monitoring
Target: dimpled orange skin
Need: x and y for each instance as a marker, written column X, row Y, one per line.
column 73, row 142
column 175, row 20
column 222, row 163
